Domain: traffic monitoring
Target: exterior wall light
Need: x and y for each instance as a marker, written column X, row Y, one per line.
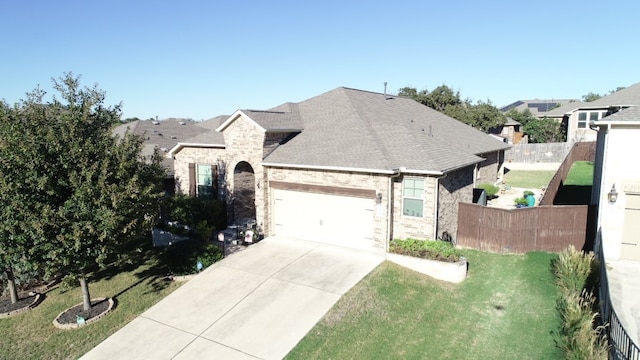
column 379, row 198
column 613, row 194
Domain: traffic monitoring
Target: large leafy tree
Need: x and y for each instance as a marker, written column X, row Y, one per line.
column 481, row 115
column 542, row 130
column 26, row 186
column 99, row 191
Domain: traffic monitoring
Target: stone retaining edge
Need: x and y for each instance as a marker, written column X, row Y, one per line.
column 88, row 321
column 451, row 272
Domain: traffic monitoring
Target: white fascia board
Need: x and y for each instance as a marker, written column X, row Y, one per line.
column 233, row 117
column 359, row 170
column 179, row 146
column 614, row 122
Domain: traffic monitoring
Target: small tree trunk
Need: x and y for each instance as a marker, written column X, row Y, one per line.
column 86, row 298
column 11, row 282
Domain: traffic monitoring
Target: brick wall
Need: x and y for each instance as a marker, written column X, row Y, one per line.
column 490, row 170
column 456, row 187
column 414, row 227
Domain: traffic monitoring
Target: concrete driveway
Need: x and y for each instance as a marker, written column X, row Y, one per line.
column 256, row 304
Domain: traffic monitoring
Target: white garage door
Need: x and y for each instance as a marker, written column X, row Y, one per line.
column 331, row 219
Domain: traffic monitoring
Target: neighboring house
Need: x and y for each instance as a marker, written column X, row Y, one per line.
column 616, row 173
column 348, row 167
column 537, row 107
column 577, row 116
column 164, row 135
column 509, row 132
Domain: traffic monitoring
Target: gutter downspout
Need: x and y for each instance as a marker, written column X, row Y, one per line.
column 605, row 154
column 436, row 207
column 390, row 200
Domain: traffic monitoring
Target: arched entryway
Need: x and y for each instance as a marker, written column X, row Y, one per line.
column 244, row 192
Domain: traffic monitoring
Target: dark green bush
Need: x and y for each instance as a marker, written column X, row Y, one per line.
column 527, row 193
column 426, row 249
column 182, row 257
column 201, row 215
column 490, row 189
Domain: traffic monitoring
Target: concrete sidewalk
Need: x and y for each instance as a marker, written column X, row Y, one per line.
column 256, row 304
column 624, row 289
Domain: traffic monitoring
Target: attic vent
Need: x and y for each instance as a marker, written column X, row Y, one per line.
column 174, row 137
column 155, row 122
column 159, row 134
column 181, row 122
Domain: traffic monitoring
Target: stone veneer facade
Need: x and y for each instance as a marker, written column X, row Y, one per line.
column 246, row 141
column 405, row 226
column 454, row 188
column 491, row 169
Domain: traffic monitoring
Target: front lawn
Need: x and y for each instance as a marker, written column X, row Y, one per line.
column 505, row 309
column 32, row 335
column 580, row 174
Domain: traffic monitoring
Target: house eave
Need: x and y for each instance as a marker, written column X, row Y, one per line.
column 179, row 146
column 233, row 118
column 353, row 169
column 615, row 123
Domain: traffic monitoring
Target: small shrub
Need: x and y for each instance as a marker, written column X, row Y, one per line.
column 182, row 257
column 520, row 201
column 426, row 249
column 490, row 189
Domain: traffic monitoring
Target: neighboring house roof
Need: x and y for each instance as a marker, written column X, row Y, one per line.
column 163, row 134
column 623, row 98
column 628, row 115
column 511, row 122
column 627, row 96
column 537, row 107
column 349, row 128
column 566, row 108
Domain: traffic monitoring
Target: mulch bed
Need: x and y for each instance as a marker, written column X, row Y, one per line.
column 70, row 316
column 6, row 306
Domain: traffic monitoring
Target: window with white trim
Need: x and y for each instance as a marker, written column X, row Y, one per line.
column 413, row 197
column 582, row 120
column 204, row 178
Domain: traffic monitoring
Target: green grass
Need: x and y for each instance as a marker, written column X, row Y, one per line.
column 31, row 335
column 505, row 309
column 528, row 179
column 581, row 174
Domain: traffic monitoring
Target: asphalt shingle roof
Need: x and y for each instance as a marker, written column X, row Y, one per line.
column 629, row 114
column 627, row 96
column 163, row 134
column 358, row 129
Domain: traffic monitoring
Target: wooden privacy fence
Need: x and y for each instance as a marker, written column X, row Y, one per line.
column 541, row 228
column 581, row 151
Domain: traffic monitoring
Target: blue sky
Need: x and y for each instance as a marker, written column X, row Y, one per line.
column 199, row 59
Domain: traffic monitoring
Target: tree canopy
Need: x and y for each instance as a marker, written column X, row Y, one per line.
column 539, row 130
column 82, row 192
column 481, row 115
